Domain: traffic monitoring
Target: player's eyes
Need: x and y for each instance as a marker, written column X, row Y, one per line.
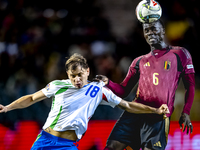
column 155, row 30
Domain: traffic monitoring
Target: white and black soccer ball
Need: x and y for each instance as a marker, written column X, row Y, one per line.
column 148, row 11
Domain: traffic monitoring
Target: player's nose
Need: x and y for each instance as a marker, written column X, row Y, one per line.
column 150, row 32
column 77, row 78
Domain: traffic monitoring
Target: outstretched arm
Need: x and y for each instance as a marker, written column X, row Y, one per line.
column 23, row 102
column 138, row 108
column 124, row 88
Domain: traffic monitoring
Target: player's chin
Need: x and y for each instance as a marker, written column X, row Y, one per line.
column 153, row 44
column 150, row 43
column 79, row 86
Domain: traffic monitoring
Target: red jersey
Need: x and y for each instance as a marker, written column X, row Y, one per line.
column 158, row 73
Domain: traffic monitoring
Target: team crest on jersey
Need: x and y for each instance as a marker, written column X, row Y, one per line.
column 167, row 65
column 47, row 87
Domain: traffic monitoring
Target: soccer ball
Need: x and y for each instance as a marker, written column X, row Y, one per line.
column 148, row 11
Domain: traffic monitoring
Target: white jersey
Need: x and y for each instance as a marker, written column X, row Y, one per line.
column 72, row 107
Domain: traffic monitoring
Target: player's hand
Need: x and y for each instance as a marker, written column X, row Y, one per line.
column 163, row 109
column 3, row 109
column 99, row 78
column 185, row 122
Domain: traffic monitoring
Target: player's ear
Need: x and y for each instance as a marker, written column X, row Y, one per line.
column 88, row 71
column 67, row 73
column 163, row 31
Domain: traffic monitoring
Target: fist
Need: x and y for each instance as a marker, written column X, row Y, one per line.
column 163, row 109
column 99, row 78
column 3, row 109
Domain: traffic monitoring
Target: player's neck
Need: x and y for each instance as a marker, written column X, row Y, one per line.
column 159, row 46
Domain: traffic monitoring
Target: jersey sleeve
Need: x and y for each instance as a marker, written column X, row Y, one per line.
column 185, row 58
column 187, row 63
column 132, row 77
column 189, row 83
column 109, row 98
column 187, row 76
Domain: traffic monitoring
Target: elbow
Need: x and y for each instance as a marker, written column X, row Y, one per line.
column 122, row 93
column 130, row 107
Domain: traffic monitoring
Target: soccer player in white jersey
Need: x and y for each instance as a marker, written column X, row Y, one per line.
column 74, row 102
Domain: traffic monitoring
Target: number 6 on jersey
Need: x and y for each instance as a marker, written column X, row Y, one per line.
column 155, row 79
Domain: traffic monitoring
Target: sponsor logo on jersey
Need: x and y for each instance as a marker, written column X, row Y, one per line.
column 190, row 66
column 147, row 64
column 167, row 65
column 47, row 87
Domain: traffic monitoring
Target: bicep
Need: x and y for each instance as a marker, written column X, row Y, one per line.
column 130, row 81
column 38, row 96
column 188, row 80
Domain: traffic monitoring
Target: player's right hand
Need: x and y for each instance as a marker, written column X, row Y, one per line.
column 185, row 122
column 99, row 78
column 163, row 109
column 3, row 109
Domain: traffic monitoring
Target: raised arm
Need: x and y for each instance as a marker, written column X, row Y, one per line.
column 23, row 102
column 138, row 108
column 124, row 88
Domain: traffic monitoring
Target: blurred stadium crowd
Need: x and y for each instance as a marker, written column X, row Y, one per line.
column 37, row 36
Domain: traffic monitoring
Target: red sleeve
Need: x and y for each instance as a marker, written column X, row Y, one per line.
column 189, row 83
column 125, row 87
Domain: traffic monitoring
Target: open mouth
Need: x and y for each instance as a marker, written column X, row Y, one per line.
column 78, row 85
column 152, row 39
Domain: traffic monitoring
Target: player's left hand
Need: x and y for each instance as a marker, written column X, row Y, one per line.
column 185, row 122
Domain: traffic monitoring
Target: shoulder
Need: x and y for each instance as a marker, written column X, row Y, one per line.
column 136, row 61
column 100, row 84
column 184, row 57
column 61, row 82
column 57, row 87
column 182, row 52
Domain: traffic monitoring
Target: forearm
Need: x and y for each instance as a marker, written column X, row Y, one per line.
column 140, row 108
column 22, row 102
column 116, row 88
column 189, row 83
column 123, row 89
column 137, row 108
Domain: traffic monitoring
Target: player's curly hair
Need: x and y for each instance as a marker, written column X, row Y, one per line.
column 76, row 60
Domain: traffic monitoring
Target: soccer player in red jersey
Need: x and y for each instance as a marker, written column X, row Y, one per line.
column 158, row 73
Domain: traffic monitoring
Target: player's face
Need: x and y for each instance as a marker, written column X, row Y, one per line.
column 154, row 33
column 79, row 76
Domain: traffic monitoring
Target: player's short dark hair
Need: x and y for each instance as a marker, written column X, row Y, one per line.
column 76, row 60
column 159, row 21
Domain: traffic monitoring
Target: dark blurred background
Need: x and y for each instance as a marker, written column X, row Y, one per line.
column 36, row 36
